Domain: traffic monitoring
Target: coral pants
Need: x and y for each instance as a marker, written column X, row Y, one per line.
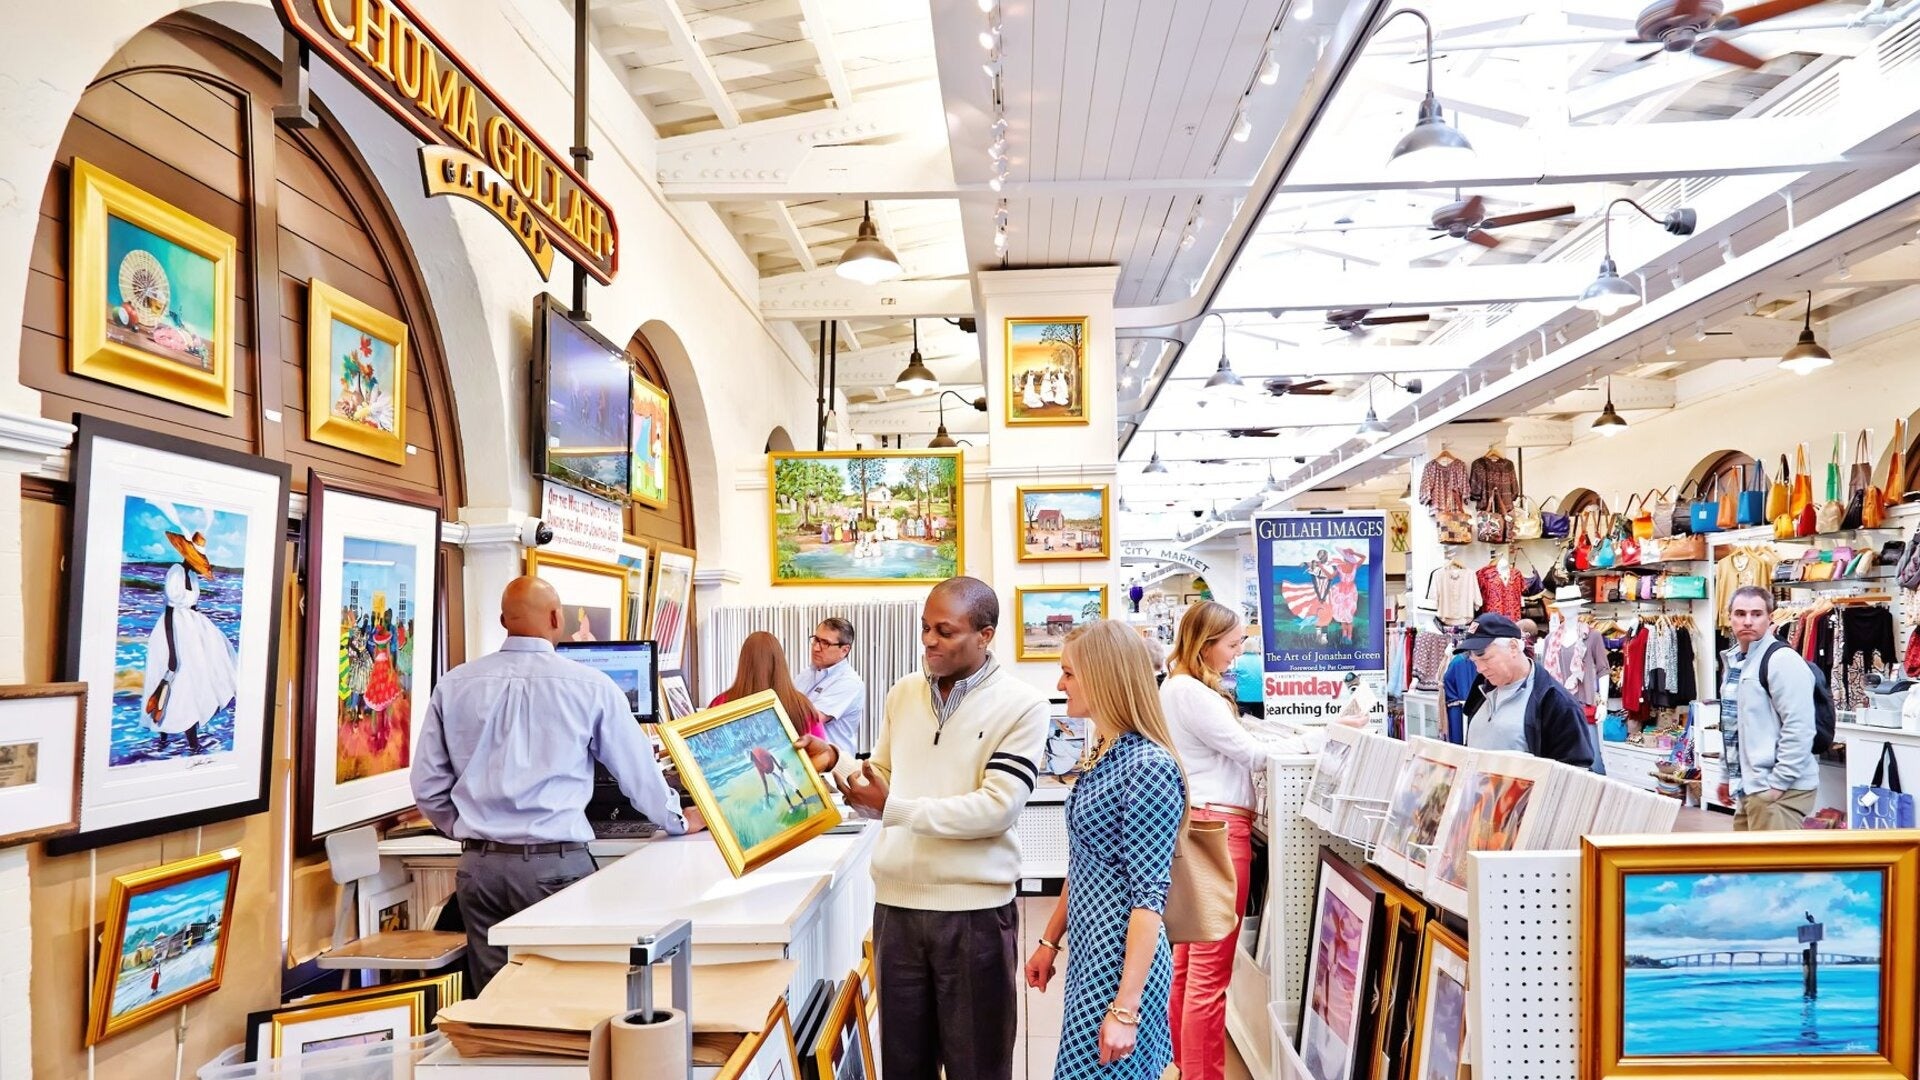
column 1198, row 1006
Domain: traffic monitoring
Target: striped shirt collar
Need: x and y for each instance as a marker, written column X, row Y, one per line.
column 943, row 710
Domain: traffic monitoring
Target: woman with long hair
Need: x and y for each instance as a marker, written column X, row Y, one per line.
column 1123, row 819
column 763, row 666
column 1220, row 755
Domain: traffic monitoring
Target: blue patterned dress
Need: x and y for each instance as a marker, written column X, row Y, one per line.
column 1122, row 820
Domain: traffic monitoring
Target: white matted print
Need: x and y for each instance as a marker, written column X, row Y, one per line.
column 386, row 910
column 670, row 610
column 40, row 760
column 673, row 690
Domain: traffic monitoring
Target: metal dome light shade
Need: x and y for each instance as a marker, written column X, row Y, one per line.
column 1806, row 356
column 916, row 378
column 1433, row 145
column 867, row 260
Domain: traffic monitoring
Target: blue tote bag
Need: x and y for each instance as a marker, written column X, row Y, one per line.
column 1881, row 804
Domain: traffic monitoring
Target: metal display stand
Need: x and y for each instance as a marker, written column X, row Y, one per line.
column 674, row 945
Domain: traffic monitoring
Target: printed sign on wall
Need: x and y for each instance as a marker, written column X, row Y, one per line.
column 1322, row 609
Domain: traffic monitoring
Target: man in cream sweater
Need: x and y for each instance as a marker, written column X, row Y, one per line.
column 953, row 764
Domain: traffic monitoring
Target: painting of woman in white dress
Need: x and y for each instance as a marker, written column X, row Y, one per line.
column 1046, row 371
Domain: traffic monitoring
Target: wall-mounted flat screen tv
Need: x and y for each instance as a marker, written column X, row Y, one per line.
column 582, row 412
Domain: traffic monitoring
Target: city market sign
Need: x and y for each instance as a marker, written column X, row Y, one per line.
column 1165, row 555
column 491, row 156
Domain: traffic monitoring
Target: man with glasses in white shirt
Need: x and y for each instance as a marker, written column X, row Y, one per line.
column 836, row 690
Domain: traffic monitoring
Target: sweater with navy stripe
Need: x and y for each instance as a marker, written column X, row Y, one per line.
column 957, row 788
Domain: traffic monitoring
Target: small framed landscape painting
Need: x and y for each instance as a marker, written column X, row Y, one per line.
column 365, row 1022
column 1801, row 947
column 1046, row 614
column 637, row 556
column 593, row 595
column 1047, row 370
column 165, row 940
column 761, row 798
column 150, row 294
column 1064, row 522
column 356, row 375
column 40, row 760
column 866, row 517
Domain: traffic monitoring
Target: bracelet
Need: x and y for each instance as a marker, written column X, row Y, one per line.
column 1054, row 945
column 1126, row 1016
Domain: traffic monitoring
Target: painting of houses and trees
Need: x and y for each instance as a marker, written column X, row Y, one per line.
column 889, row 517
column 1063, row 522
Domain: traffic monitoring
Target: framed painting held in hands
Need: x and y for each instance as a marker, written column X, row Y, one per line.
column 177, row 566
column 165, row 941
column 593, row 595
column 356, row 375
column 40, row 745
column 150, row 294
column 760, row 797
column 372, row 629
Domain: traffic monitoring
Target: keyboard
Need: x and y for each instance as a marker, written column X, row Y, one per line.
column 624, row 829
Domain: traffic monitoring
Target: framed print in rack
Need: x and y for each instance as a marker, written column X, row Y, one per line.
column 1046, row 614
column 760, row 797
column 593, row 595
column 637, row 556
column 673, row 691
column 1440, row 1007
column 844, row 1050
column 768, row 1054
column 164, row 942
column 1401, row 942
column 372, row 627
column 1063, row 522
column 351, row 1022
column 150, row 294
column 1800, row 946
column 176, row 571
column 1338, row 1002
column 866, row 517
column 652, row 450
column 670, row 611
column 40, row 760
column 1046, row 362
column 356, row 375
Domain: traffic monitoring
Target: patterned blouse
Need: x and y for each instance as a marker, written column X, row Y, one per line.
column 1493, row 483
column 1443, row 484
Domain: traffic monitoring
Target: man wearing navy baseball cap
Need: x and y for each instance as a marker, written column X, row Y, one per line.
column 1515, row 704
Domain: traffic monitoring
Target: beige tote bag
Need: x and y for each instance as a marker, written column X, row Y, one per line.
column 1201, row 894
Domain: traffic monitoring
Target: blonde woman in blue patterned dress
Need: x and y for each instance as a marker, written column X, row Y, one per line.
column 1123, row 817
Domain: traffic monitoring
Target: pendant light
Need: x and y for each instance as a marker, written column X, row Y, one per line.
column 941, row 440
column 1371, row 429
column 917, row 378
column 1223, row 382
column 867, row 260
column 1154, row 464
column 1272, row 483
column 1433, row 146
column 1609, row 423
column 1611, row 294
column 1806, row 356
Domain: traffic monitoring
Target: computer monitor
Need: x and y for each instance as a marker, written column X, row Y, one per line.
column 632, row 665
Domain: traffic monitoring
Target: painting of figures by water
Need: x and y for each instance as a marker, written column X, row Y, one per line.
column 879, row 518
column 1737, row 943
column 172, row 940
column 176, row 666
column 378, row 596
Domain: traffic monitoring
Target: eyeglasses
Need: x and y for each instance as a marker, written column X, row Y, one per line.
column 824, row 643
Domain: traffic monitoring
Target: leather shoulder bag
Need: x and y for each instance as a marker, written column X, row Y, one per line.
column 1753, row 496
column 1779, row 495
column 1201, row 889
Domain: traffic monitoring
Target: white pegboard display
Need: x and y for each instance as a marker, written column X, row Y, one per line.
column 1293, row 868
column 1042, row 832
column 1523, row 969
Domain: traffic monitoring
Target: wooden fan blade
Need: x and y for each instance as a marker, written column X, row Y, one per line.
column 1483, row 238
column 1760, row 13
column 1687, row 9
column 1726, row 52
column 1310, row 390
column 1388, row 320
column 1649, row 56
column 1525, row 216
column 1475, row 208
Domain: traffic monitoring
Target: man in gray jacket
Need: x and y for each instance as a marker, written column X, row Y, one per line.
column 1766, row 721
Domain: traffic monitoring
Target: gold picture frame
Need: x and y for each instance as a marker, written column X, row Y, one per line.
column 767, row 1054
column 1061, row 608
column 587, row 614
column 357, row 418
column 913, row 536
column 652, row 485
column 1857, row 892
column 1440, row 1005
column 846, row 1017
column 325, row 1020
column 158, row 318
column 158, row 907
column 1046, row 533
column 1400, row 972
column 738, row 761
column 1045, row 358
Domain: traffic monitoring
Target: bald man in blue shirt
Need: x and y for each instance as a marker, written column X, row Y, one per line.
column 505, row 766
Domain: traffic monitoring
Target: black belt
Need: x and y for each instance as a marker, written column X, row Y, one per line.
column 497, row 848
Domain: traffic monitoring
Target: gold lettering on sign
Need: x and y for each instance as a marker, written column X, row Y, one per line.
column 447, row 171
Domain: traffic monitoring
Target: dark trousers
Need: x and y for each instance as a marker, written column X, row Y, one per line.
column 494, row 885
column 948, row 995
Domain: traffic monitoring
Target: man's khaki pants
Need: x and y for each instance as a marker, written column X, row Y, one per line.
column 1768, row 811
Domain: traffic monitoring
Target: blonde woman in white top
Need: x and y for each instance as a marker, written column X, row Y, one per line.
column 1220, row 755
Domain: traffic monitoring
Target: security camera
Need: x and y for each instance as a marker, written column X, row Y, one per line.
column 536, row 533
column 1199, row 514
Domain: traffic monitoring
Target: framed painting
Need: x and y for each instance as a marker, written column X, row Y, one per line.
column 844, row 1050
column 1812, row 934
column 1421, row 792
column 1047, row 370
column 1337, row 1005
column 652, row 453
column 1439, row 1045
column 386, row 910
column 176, row 569
column 670, row 609
column 150, row 294
column 1486, row 813
column 767, row 1054
column 761, row 798
column 673, row 691
column 372, row 627
column 866, row 517
column 1400, row 947
column 164, row 942
column 433, row 995
column 1046, row 614
column 356, row 375
column 373, row 1021
column 593, row 595
column 1063, row 522
column 637, row 556
column 1330, row 775
column 40, row 760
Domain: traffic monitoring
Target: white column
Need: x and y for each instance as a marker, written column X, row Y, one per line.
column 1027, row 455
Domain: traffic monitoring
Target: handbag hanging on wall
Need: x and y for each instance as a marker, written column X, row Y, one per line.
column 1801, row 494
column 1703, row 514
column 1663, row 513
column 1859, row 480
column 1831, row 512
column 1780, row 495
column 1553, row 524
column 1727, row 515
column 1896, row 489
column 1639, row 517
column 1201, row 887
column 1753, row 497
column 1526, row 519
column 1883, row 802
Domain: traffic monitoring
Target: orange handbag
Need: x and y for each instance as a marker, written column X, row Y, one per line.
column 1896, row 489
column 1729, row 516
column 1802, row 483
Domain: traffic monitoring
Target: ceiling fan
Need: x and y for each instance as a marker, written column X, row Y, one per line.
column 1283, row 386
column 1253, row 433
column 1466, row 219
column 1356, row 321
column 1679, row 26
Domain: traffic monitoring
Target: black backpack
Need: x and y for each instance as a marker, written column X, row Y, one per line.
column 1823, row 715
